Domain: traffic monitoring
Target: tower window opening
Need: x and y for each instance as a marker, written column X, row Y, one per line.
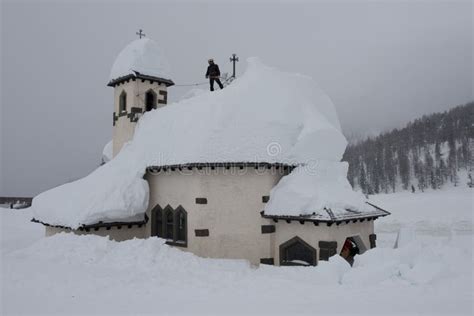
column 123, row 102
column 150, row 100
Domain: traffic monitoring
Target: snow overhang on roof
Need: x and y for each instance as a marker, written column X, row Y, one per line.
column 141, row 59
column 327, row 216
column 138, row 220
column 264, row 116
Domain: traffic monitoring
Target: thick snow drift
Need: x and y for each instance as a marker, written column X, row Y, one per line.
column 144, row 56
column 265, row 116
column 68, row 274
column 108, row 151
column 192, row 93
column 313, row 187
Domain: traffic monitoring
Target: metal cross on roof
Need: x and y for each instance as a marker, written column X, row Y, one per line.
column 140, row 33
column 234, row 59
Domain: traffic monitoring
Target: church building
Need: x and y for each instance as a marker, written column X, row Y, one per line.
column 222, row 203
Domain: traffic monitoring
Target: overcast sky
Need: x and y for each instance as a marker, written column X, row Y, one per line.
column 382, row 64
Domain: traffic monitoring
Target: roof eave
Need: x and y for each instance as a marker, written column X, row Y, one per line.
column 137, row 75
column 201, row 165
column 327, row 221
column 336, row 219
column 100, row 224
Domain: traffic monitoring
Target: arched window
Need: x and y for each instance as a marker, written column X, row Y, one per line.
column 169, row 223
column 123, row 101
column 181, row 225
column 296, row 252
column 150, row 100
column 157, row 222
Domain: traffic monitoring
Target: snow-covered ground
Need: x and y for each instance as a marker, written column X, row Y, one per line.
column 435, row 212
column 67, row 274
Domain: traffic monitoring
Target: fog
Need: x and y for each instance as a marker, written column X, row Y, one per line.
column 382, row 64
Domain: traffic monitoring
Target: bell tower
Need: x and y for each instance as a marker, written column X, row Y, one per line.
column 140, row 80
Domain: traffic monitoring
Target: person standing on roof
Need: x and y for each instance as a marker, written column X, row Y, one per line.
column 213, row 73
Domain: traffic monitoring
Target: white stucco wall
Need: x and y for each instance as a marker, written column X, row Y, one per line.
column 232, row 213
column 123, row 129
column 312, row 234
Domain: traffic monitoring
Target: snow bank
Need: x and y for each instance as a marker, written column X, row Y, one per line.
column 144, row 56
column 265, row 116
column 433, row 212
column 192, row 93
column 66, row 274
column 405, row 236
column 108, row 151
column 17, row 230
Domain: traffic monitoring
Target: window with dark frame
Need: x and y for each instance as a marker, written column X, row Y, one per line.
column 169, row 225
column 181, row 225
column 123, row 102
column 159, row 222
column 297, row 252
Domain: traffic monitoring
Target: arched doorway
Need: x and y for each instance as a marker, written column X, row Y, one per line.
column 296, row 252
column 352, row 246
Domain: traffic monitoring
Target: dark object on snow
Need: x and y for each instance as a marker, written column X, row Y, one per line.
column 213, row 73
column 412, row 189
column 211, row 82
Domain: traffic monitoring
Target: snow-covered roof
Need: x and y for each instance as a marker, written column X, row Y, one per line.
column 320, row 191
column 327, row 215
column 142, row 56
column 266, row 115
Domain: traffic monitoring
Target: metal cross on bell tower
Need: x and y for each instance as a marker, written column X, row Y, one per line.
column 140, row 33
column 233, row 60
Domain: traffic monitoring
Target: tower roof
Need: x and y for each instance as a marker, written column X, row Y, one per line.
column 144, row 59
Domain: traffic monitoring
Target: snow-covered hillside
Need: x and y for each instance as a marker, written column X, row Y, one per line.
column 432, row 152
column 68, row 274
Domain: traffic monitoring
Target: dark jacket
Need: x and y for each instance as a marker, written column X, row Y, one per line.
column 213, row 71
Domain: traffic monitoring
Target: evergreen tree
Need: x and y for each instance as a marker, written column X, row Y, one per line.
column 404, row 167
column 415, row 153
column 362, row 179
